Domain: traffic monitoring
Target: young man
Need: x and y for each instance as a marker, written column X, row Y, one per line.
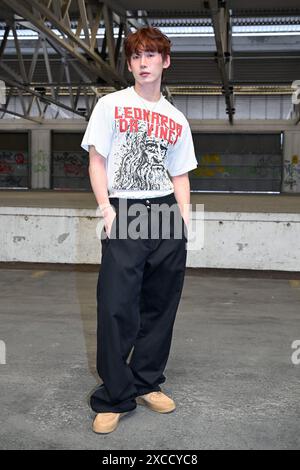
column 141, row 150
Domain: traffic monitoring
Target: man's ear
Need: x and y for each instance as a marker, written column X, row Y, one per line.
column 167, row 62
column 128, row 65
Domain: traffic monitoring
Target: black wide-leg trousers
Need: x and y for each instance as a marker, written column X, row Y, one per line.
column 139, row 288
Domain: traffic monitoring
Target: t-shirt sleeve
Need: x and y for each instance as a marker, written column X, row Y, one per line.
column 99, row 131
column 181, row 158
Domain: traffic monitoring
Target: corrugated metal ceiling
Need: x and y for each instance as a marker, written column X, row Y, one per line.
column 182, row 7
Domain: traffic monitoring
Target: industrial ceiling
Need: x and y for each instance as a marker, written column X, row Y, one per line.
column 51, row 49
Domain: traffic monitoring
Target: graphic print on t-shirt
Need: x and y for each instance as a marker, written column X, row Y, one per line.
column 140, row 159
column 143, row 149
column 141, row 163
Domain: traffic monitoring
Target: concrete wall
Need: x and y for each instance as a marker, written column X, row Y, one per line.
column 231, row 240
column 41, row 139
column 241, row 240
column 49, row 235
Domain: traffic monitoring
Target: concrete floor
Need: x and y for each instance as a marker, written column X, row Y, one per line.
column 230, row 368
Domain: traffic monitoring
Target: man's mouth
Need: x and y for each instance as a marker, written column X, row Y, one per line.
column 144, row 74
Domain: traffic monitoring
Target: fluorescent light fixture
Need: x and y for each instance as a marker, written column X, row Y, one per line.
column 187, row 31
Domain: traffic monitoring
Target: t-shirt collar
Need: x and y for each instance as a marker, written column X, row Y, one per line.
column 153, row 103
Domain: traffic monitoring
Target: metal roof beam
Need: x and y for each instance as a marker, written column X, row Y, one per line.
column 24, row 83
column 13, row 113
column 37, row 13
column 39, row 94
column 4, row 40
column 223, row 38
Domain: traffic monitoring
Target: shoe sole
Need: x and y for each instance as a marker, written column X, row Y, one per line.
column 113, row 427
column 141, row 401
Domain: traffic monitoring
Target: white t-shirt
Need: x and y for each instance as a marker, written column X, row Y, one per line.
column 143, row 142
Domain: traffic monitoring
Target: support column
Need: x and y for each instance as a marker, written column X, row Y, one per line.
column 40, row 158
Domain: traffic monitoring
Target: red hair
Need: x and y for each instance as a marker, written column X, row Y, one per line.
column 147, row 38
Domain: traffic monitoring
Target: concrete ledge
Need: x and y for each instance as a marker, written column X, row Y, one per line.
column 260, row 241
column 92, row 213
column 261, row 203
column 232, row 240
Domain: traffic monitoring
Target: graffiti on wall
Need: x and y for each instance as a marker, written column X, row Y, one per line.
column 70, row 164
column 70, row 170
column 40, row 162
column 263, row 166
column 259, row 166
column 291, row 179
column 210, row 166
column 9, row 159
column 13, row 168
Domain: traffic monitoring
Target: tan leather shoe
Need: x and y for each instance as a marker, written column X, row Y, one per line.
column 157, row 401
column 105, row 423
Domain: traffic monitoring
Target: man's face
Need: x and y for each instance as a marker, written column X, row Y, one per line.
column 147, row 66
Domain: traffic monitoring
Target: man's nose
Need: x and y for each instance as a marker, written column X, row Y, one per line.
column 143, row 59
